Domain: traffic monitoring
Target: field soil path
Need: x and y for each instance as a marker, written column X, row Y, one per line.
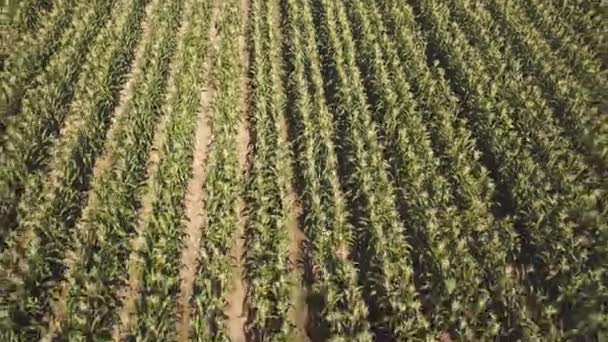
column 194, row 201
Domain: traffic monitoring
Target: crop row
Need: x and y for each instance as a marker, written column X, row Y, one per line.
column 27, row 17
column 157, row 302
column 586, row 18
column 432, row 202
column 107, row 223
column 578, row 189
column 29, row 56
column 50, row 208
column 563, row 39
column 267, row 264
column 492, row 241
column 450, row 161
column 381, row 248
column 544, row 214
column 451, row 274
column 572, row 98
column 223, row 186
column 44, row 108
column 341, row 313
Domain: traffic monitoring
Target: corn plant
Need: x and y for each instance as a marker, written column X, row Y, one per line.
column 223, row 185
column 267, row 265
column 29, row 12
column 107, row 222
column 384, row 259
column 574, row 99
column 29, row 55
column 342, row 313
column 532, row 201
column 44, row 109
column 157, row 302
column 51, row 206
column 492, row 241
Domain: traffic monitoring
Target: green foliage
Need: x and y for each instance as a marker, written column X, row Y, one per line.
column 342, row 311
column 157, row 302
column 44, row 109
column 107, row 223
column 223, row 186
column 267, row 263
column 450, row 159
column 51, row 206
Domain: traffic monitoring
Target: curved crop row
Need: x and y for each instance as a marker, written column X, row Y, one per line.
column 223, row 185
column 452, row 274
column 383, row 252
column 31, row 53
column 568, row 171
column 586, row 17
column 582, row 196
column 492, row 241
column 49, row 210
column 563, row 39
column 267, row 265
column 342, row 313
column 574, row 103
column 107, row 222
column 543, row 214
column 43, row 111
column 157, row 303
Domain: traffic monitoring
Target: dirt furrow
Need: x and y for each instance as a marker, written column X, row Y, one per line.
column 195, row 196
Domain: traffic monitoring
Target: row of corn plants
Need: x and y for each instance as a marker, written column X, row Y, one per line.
column 529, row 98
column 452, row 274
column 581, row 194
column 157, row 302
column 574, row 102
column 552, row 149
column 382, row 251
column 542, row 213
column 409, row 144
column 107, row 223
column 43, row 111
column 48, row 212
column 223, row 186
column 562, row 37
column 524, row 93
column 339, row 311
column 267, row 264
column 491, row 241
column 29, row 55
column 461, row 60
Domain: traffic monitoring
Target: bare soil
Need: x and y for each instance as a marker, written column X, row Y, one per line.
column 195, row 196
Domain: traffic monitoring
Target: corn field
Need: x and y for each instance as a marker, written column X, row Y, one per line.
column 304, row 170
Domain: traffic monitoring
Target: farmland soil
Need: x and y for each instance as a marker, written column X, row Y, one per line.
column 195, row 197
